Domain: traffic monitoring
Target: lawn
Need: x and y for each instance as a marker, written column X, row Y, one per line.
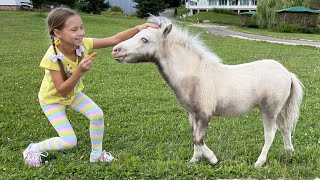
column 146, row 130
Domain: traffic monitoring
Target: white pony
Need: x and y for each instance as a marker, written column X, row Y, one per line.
column 205, row 87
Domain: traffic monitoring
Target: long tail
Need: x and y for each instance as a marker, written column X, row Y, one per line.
column 291, row 109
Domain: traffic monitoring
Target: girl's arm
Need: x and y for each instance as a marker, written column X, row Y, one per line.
column 122, row 36
column 65, row 87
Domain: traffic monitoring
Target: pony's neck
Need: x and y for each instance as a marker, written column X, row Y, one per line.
column 179, row 63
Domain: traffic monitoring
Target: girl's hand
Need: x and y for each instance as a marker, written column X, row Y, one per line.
column 146, row 25
column 85, row 64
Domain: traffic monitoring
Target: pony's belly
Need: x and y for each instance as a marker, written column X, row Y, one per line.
column 233, row 110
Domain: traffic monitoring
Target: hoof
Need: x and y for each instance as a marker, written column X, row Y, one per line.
column 213, row 161
column 259, row 163
column 194, row 160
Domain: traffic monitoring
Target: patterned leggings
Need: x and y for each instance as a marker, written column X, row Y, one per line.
column 67, row 138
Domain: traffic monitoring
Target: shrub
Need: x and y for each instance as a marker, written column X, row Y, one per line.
column 116, row 9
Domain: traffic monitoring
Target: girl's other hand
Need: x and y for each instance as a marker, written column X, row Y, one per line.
column 146, row 25
column 85, row 64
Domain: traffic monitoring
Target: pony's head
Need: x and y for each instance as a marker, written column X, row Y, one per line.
column 145, row 45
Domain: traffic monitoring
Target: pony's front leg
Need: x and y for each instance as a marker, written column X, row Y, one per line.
column 197, row 153
column 199, row 127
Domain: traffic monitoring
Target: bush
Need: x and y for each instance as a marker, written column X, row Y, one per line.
column 116, row 9
column 250, row 21
column 147, row 7
column 295, row 28
column 288, row 28
column 224, row 11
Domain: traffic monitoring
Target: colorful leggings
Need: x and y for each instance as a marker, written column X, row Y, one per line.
column 67, row 138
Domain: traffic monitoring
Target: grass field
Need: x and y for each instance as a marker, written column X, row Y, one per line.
column 146, row 129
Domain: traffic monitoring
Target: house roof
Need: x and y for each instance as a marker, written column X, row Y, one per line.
column 298, row 9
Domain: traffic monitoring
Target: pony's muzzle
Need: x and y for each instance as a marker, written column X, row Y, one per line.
column 115, row 50
column 117, row 54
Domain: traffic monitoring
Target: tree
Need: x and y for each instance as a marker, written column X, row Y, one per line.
column 69, row 3
column 267, row 10
column 173, row 3
column 313, row 4
column 146, row 7
column 93, row 6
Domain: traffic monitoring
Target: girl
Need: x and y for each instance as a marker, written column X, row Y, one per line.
column 64, row 63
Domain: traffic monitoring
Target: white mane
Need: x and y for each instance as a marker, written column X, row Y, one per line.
column 183, row 37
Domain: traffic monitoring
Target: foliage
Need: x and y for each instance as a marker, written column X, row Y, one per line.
column 213, row 17
column 181, row 11
column 69, row 3
column 250, row 21
column 93, row 6
column 266, row 11
column 223, row 11
column 312, row 4
column 146, row 7
column 173, row 3
column 145, row 128
column 116, row 9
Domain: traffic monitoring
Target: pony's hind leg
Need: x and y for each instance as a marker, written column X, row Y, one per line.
column 199, row 127
column 286, row 133
column 270, row 129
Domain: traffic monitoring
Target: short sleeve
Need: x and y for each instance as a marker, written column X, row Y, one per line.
column 47, row 63
column 88, row 44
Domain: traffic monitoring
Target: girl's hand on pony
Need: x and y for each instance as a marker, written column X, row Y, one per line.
column 146, row 25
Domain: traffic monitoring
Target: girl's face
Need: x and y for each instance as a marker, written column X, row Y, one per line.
column 72, row 32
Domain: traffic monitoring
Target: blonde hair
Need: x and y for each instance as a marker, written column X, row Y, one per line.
column 56, row 20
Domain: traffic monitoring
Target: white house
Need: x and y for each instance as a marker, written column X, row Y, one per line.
column 126, row 5
column 15, row 4
column 236, row 5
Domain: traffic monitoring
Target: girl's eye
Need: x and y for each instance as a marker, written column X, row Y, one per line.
column 144, row 40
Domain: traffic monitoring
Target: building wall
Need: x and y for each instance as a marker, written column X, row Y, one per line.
column 12, row 4
column 126, row 5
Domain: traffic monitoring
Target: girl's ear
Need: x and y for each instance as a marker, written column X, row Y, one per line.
column 57, row 33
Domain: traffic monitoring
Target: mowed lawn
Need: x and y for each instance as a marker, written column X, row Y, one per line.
column 145, row 128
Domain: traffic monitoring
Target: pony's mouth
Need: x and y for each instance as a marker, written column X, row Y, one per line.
column 120, row 58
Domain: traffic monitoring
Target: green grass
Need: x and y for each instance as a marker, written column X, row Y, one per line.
column 213, row 17
column 146, row 129
column 266, row 32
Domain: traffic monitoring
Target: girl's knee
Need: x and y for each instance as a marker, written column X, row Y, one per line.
column 69, row 141
column 97, row 113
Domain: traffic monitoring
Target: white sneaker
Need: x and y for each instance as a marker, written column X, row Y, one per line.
column 33, row 158
column 104, row 157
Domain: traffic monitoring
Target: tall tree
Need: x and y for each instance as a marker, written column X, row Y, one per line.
column 267, row 10
column 146, row 7
column 93, row 6
column 69, row 3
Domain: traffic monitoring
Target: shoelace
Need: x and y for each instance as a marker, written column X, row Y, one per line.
column 107, row 157
column 33, row 157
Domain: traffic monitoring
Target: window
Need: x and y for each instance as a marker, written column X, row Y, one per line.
column 254, row 2
column 244, row 2
column 234, row 2
column 213, row 2
column 223, row 2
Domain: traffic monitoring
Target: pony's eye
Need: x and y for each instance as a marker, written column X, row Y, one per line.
column 144, row 40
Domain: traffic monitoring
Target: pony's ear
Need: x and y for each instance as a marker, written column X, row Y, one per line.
column 167, row 30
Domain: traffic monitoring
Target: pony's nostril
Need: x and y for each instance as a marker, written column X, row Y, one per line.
column 116, row 50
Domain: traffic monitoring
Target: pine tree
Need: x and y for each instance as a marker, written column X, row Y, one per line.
column 146, row 7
